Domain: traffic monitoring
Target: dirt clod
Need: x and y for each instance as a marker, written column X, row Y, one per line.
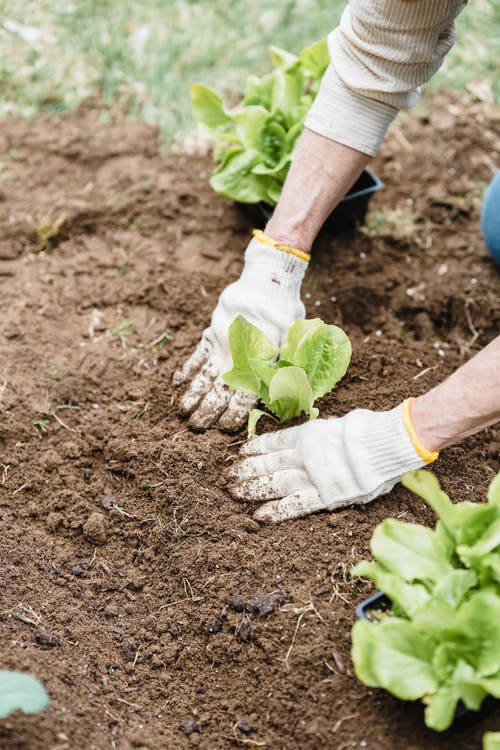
column 47, row 640
column 94, row 529
column 237, row 602
column 264, row 604
column 188, row 726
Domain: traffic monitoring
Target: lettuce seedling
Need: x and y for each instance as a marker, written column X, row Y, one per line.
column 441, row 641
column 255, row 143
column 313, row 359
column 491, row 741
column 20, row 691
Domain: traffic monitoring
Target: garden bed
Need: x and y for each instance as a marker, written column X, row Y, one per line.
column 156, row 611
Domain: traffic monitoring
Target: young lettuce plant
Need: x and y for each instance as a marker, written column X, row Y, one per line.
column 20, row 691
column 441, row 641
column 313, row 359
column 491, row 741
column 255, row 142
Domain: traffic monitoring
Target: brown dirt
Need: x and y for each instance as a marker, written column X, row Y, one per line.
column 133, row 585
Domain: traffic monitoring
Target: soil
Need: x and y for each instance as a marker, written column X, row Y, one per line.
column 156, row 611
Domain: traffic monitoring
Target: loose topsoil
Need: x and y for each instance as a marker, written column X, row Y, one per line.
column 156, row 611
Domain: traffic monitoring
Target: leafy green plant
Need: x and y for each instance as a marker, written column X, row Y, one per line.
column 314, row 357
column 491, row 741
column 441, row 641
column 20, row 691
column 255, row 143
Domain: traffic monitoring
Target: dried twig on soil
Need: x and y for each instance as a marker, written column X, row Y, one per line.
column 22, row 487
column 23, row 613
column 63, row 424
column 5, row 472
column 424, row 372
column 301, row 612
column 179, row 601
column 464, row 348
column 339, row 722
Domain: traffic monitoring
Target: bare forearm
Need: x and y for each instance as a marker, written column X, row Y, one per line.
column 463, row 404
column 321, row 174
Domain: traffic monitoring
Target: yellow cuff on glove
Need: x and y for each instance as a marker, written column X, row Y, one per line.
column 425, row 454
column 261, row 237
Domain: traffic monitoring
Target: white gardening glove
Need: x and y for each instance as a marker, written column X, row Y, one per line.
column 327, row 464
column 268, row 295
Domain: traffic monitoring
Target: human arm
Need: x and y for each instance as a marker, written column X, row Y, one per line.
column 463, row 404
column 327, row 464
column 381, row 52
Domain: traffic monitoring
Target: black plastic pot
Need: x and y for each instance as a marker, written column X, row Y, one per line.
column 464, row 717
column 350, row 212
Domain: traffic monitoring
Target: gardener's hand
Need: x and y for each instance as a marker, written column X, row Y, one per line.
column 268, row 295
column 328, row 463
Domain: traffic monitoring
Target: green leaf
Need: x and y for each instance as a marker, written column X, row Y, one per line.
column 494, row 491
column 251, row 349
column 491, row 741
column 409, row 598
column 292, row 136
column 273, row 170
column 434, row 619
column 290, row 394
column 465, row 522
column 324, row 351
column 315, row 58
column 453, row 586
column 395, row 656
column 295, row 334
column 207, row 107
column 471, row 687
column 260, row 90
column 287, row 92
column 21, row 691
column 257, row 131
column 253, row 417
column 441, row 709
column 471, row 554
column 234, row 178
column 280, row 58
column 475, row 628
column 412, row 551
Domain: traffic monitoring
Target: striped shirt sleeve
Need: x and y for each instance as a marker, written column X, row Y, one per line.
column 381, row 53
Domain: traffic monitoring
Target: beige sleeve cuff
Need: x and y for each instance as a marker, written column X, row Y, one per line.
column 343, row 115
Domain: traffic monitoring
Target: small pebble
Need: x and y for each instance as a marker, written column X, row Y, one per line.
column 378, row 333
column 318, row 302
column 243, row 724
column 188, row 726
column 362, row 255
column 333, row 299
column 307, row 295
column 473, row 280
column 441, row 352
